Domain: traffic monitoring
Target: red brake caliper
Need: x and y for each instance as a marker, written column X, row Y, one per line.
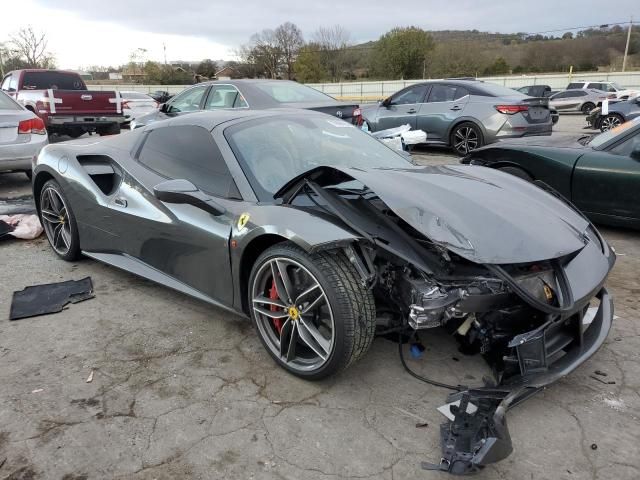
column 273, row 295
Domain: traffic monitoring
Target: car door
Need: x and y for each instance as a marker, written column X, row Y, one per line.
column 179, row 240
column 568, row 100
column 401, row 108
column 224, row 96
column 190, row 100
column 608, row 182
column 444, row 104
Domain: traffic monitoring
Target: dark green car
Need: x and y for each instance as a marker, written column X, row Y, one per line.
column 600, row 174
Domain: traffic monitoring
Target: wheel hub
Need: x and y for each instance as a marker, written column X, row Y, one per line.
column 294, row 313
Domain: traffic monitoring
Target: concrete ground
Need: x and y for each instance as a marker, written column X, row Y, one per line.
column 183, row 390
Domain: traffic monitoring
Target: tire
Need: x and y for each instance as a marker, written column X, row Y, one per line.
column 110, row 130
column 339, row 300
column 517, row 172
column 587, row 107
column 465, row 138
column 65, row 243
column 610, row 121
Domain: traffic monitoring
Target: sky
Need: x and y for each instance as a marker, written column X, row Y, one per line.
column 84, row 33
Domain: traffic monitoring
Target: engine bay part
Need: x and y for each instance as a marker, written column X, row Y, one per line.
column 526, row 319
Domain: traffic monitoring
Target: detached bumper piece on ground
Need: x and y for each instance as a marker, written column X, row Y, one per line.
column 49, row 298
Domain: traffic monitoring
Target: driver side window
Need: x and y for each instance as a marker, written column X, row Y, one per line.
column 188, row 101
column 410, row 95
column 189, row 152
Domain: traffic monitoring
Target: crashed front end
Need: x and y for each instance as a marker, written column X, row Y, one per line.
column 534, row 308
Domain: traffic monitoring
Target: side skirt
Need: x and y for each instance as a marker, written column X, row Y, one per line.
column 135, row 266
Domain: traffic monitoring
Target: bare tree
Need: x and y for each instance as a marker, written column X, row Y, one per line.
column 289, row 39
column 333, row 42
column 32, row 47
column 263, row 51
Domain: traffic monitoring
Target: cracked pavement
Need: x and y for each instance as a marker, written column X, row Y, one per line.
column 181, row 389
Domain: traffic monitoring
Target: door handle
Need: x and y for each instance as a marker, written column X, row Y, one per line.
column 413, row 110
column 455, row 108
column 121, row 202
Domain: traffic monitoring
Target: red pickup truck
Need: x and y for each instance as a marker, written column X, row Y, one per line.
column 61, row 99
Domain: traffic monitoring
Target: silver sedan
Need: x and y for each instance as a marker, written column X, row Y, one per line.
column 22, row 136
column 583, row 100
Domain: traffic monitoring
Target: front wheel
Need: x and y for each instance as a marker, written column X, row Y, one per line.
column 610, row 121
column 587, row 107
column 59, row 222
column 465, row 138
column 312, row 312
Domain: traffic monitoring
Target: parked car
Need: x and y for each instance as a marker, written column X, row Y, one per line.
column 583, row 100
column 599, row 174
column 309, row 226
column 136, row 104
column 617, row 114
column 462, row 114
column 609, row 87
column 161, row 96
column 61, row 99
column 22, row 135
column 541, row 91
column 251, row 94
column 536, row 90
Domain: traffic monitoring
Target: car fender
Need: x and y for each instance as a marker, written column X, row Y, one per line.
column 258, row 228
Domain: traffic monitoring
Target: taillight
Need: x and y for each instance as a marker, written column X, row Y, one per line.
column 357, row 116
column 512, row 109
column 33, row 125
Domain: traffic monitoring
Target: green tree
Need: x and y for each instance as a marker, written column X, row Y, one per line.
column 207, row 67
column 308, row 67
column 402, row 53
column 499, row 67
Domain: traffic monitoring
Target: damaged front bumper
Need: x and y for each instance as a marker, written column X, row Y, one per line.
column 475, row 439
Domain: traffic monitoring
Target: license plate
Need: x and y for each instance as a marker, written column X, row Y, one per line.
column 538, row 113
column 8, row 134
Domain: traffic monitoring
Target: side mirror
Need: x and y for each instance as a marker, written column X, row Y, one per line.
column 164, row 108
column 635, row 153
column 386, row 102
column 185, row 192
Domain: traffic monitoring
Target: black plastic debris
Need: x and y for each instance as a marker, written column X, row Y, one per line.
column 49, row 298
column 5, row 228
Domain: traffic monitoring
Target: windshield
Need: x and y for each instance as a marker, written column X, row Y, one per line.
column 291, row 92
column 616, row 86
column 55, row 80
column 603, row 138
column 135, row 96
column 274, row 150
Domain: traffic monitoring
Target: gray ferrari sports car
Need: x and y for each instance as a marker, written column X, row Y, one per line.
column 324, row 236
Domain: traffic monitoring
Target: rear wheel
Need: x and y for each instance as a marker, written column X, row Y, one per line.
column 610, row 121
column 58, row 221
column 465, row 138
column 587, row 107
column 312, row 312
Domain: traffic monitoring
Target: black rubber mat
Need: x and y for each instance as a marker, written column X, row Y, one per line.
column 49, row 298
column 5, row 228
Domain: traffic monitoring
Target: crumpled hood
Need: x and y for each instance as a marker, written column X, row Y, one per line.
column 481, row 214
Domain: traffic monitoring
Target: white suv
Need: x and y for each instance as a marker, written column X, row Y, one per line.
column 621, row 93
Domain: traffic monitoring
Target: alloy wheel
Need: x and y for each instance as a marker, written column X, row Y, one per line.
column 293, row 314
column 465, row 139
column 55, row 220
column 610, row 122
